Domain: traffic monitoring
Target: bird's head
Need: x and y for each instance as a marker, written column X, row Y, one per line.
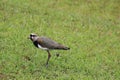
column 33, row 37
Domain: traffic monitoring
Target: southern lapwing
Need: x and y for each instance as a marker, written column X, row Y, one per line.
column 46, row 44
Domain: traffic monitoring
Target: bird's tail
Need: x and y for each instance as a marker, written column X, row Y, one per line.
column 66, row 48
column 61, row 47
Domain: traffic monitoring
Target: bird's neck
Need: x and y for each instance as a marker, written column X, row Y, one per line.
column 35, row 39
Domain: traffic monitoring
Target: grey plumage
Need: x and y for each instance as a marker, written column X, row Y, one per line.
column 50, row 44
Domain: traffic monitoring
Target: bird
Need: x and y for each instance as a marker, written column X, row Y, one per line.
column 46, row 44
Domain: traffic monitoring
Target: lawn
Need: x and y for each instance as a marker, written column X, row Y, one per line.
column 91, row 28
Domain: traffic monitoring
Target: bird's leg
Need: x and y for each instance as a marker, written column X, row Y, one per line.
column 49, row 55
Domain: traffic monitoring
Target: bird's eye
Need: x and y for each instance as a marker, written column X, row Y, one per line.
column 33, row 35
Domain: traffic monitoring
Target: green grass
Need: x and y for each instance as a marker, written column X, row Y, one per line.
column 91, row 28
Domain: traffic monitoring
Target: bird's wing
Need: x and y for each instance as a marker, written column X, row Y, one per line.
column 48, row 43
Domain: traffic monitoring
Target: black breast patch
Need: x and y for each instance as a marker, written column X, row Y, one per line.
column 36, row 43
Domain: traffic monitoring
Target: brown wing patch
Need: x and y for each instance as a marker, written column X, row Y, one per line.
column 39, row 40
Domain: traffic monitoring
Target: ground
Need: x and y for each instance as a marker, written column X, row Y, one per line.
column 91, row 28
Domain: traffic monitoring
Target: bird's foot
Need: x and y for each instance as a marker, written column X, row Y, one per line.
column 46, row 65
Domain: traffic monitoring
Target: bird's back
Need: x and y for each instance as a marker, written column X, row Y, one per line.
column 50, row 44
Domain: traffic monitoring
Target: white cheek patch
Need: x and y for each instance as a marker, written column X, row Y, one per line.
column 42, row 47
